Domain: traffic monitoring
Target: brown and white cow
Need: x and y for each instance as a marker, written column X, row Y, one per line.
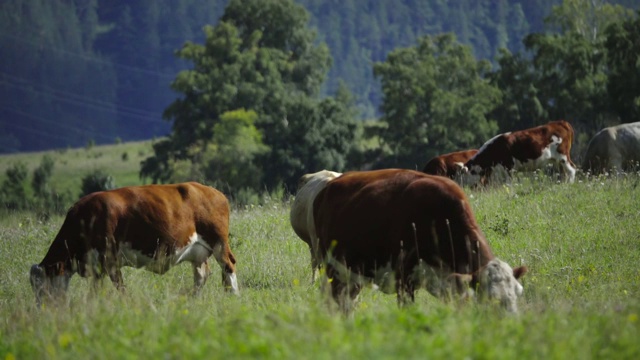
column 419, row 227
column 528, row 149
column 301, row 215
column 449, row 165
column 615, row 148
column 151, row 226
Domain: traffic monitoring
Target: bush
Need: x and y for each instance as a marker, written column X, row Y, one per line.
column 13, row 194
column 97, row 180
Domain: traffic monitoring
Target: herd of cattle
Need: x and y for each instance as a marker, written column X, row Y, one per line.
column 398, row 229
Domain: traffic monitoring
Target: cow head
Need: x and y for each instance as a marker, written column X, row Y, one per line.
column 48, row 287
column 497, row 281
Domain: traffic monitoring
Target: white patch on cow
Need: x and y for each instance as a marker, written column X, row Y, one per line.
column 498, row 283
column 301, row 213
column 549, row 154
column 196, row 251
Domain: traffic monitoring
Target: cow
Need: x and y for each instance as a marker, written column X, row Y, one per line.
column 450, row 165
column 403, row 229
column 614, row 148
column 301, row 214
column 528, row 149
column 150, row 226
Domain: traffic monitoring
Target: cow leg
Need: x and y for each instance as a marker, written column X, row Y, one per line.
column 569, row 171
column 315, row 266
column 200, row 274
column 226, row 260
column 405, row 293
column 116, row 278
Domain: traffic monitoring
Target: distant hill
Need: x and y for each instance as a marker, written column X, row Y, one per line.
column 99, row 70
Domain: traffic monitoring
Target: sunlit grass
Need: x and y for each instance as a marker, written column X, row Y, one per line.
column 580, row 241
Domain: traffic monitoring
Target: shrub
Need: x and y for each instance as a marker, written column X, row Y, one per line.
column 97, row 180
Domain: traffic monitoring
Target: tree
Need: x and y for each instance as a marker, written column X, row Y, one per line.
column 571, row 67
column 261, row 58
column 232, row 159
column 435, row 100
column 623, row 46
column 520, row 107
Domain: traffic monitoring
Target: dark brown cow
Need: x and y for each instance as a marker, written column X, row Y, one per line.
column 419, row 227
column 528, row 149
column 449, row 165
column 152, row 226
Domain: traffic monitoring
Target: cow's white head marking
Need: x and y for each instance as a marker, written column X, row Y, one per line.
column 498, row 282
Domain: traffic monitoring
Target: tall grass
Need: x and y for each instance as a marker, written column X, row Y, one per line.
column 580, row 241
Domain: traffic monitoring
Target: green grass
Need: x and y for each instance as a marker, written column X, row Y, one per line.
column 580, row 241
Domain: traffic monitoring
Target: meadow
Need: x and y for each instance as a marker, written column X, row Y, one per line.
column 581, row 243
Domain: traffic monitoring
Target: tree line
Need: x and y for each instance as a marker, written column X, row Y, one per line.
column 76, row 71
column 252, row 111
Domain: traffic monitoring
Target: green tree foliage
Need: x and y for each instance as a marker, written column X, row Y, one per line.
column 623, row 46
column 435, row 100
column 13, row 192
column 41, row 176
column 97, row 180
column 566, row 75
column 231, row 161
column 262, row 58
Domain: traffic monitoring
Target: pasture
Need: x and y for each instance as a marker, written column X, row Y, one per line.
column 580, row 241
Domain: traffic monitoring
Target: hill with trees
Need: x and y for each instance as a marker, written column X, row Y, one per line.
column 72, row 72
column 250, row 103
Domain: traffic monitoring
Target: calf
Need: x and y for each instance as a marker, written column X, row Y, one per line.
column 301, row 215
column 152, row 226
column 528, row 149
column 419, row 227
column 450, row 165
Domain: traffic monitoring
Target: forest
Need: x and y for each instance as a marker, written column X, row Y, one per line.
column 250, row 94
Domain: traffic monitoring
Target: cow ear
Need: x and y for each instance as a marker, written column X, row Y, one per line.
column 519, row 272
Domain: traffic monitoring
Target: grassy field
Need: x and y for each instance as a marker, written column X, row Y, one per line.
column 580, row 241
column 71, row 165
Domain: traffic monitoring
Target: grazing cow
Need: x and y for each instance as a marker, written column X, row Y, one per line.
column 301, row 215
column 416, row 226
column 151, row 226
column 528, row 149
column 449, row 165
column 616, row 147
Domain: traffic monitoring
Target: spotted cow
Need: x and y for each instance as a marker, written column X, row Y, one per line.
column 523, row 150
column 403, row 229
column 151, row 226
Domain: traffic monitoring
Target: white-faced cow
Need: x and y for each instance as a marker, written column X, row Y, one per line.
column 528, row 149
column 151, row 226
column 615, row 148
column 418, row 227
column 301, row 215
column 449, row 165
